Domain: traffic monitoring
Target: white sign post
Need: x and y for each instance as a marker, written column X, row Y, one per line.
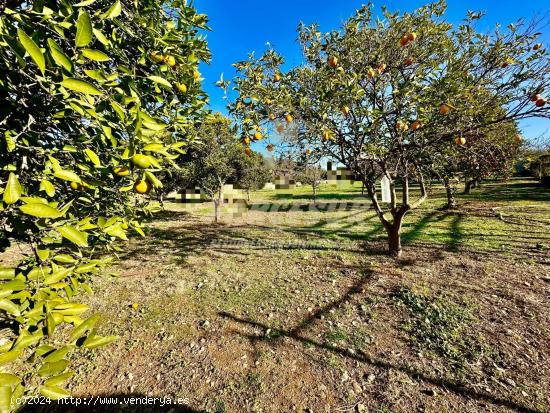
column 385, row 188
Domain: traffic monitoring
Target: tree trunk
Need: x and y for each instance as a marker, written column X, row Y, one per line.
column 217, row 207
column 451, row 202
column 394, row 233
column 363, row 188
column 248, row 195
column 161, row 199
column 394, row 239
column 468, row 187
column 314, row 187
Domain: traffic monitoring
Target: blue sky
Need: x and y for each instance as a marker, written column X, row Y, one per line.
column 244, row 26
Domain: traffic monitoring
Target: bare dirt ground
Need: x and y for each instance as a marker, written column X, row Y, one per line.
column 303, row 312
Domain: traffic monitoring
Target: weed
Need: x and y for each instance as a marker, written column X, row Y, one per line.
column 336, row 335
column 220, row 406
column 440, row 324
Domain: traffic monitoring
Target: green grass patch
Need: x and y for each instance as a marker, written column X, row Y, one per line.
column 441, row 324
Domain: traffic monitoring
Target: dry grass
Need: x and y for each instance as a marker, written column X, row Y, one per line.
column 301, row 313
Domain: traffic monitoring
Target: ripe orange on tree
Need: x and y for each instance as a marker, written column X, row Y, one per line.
column 460, row 140
column 170, row 60
column 182, row 88
column 121, row 171
column 142, row 186
column 444, row 109
column 156, row 57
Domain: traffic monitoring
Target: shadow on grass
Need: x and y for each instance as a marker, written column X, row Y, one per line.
column 511, row 191
column 455, row 234
column 111, row 403
column 179, row 242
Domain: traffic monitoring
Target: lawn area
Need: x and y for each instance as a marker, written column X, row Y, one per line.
column 296, row 308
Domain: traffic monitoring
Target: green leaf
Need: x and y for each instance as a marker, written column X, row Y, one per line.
column 9, row 307
column 54, row 381
column 54, row 392
column 7, row 379
column 57, row 276
column 13, row 190
column 67, row 175
column 71, row 308
column 5, row 398
column 85, row 326
column 9, row 356
column 77, row 237
column 64, row 258
column 154, row 147
column 40, row 211
column 32, row 49
column 57, row 354
column 52, row 369
column 7, row 273
column 89, row 267
column 43, row 254
column 83, row 30
column 80, row 86
column 26, row 339
column 101, row 37
column 114, row 11
column 50, row 325
column 59, row 57
column 96, row 341
column 84, row 3
column 161, row 81
column 92, row 156
column 153, row 180
column 95, row 55
column 47, row 187
column 13, row 285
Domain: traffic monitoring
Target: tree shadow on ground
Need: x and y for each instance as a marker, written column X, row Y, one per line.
column 197, row 237
column 511, row 191
column 418, row 227
column 111, row 403
column 297, row 333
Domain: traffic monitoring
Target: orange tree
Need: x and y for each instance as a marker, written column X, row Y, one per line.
column 94, row 98
column 383, row 95
column 215, row 160
column 477, row 155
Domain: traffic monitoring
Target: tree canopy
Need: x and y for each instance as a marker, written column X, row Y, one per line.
column 385, row 96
